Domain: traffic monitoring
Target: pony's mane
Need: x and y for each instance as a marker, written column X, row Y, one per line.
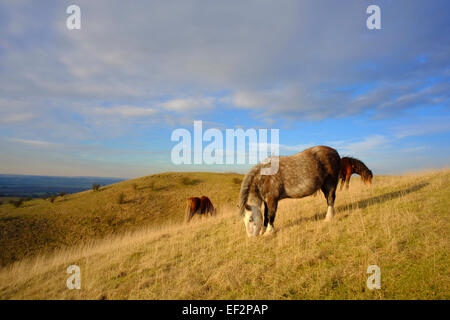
column 245, row 188
column 360, row 167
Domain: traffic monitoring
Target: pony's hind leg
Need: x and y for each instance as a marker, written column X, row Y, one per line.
column 329, row 190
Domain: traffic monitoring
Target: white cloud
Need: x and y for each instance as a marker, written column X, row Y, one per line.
column 424, row 128
column 414, row 149
column 189, row 104
column 16, row 117
column 370, row 144
column 296, row 148
column 282, row 148
column 123, row 111
column 35, row 143
column 290, row 97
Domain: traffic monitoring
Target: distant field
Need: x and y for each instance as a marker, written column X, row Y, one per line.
column 39, row 186
column 400, row 223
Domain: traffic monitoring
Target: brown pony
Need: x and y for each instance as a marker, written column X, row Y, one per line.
column 296, row 176
column 197, row 205
column 351, row 165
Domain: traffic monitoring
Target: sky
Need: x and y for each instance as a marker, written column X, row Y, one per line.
column 104, row 100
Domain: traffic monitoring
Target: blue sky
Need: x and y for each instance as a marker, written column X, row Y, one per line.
column 104, row 100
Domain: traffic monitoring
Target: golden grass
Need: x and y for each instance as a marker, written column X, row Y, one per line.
column 39, row 226
column 400, row 224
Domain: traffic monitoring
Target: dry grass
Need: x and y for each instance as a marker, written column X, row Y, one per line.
column 39, row 226
column 400, row 224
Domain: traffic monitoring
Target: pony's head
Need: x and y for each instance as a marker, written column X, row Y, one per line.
column 252, row 220
column 367, row 177
column 250, row 204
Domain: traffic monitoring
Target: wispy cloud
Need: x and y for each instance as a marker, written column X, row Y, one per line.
column 423, row 128
column 367, row 145
column 34, row 143
column 123, row 111
column 414, row 149
column 189, row 104
column 282, row 148
column 16, row 117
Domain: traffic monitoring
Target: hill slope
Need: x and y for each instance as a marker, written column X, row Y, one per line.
column 400, row 224
column 39, row 226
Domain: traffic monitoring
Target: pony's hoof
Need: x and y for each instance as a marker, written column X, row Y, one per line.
column 270, row 230
column 263, row 230
column 330, row 214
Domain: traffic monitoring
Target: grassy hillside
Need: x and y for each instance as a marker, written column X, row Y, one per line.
column 39, row 226
column 400, row 224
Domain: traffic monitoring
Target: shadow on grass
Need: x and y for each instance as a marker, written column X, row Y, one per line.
column 362, row 204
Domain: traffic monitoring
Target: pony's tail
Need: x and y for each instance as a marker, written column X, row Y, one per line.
column 245, row 189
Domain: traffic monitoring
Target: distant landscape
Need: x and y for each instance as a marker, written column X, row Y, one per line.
column 42, row 186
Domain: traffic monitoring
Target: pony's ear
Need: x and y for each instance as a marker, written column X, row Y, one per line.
column 247, row 207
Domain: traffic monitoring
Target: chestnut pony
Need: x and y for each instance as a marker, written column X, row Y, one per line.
column 351, row 165
column 197, row 205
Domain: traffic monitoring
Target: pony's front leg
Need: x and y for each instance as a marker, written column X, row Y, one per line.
column 266, row 219
column 347, row 177
column 270, row 230
column 272, row 209
column 342, row 184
